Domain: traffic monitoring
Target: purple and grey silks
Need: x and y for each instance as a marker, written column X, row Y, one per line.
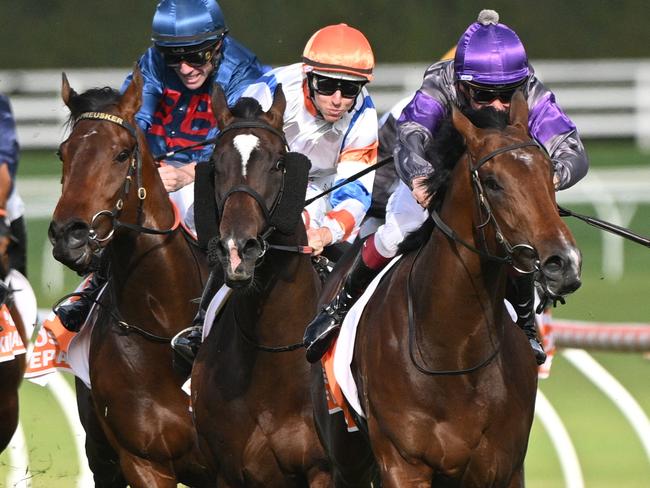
column 547, row 123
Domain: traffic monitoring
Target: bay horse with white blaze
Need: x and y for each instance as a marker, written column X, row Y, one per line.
column 446, row 381
column 115, row 217
column 250, row 381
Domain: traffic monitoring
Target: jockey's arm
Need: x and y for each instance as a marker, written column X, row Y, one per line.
column 550, row 126
column 5, row 185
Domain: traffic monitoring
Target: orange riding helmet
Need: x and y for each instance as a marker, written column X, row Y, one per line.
column 339, row 51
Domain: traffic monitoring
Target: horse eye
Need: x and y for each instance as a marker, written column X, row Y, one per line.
column 492, row 184
column 122, row 156
column 279, row 166
column 59, row 155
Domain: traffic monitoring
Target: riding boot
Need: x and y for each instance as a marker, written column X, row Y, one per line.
column 524, row 304
column 73, row 315
column 187, row 342
column 321, row 331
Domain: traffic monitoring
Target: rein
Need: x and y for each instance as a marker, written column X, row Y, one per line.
column 451, row 234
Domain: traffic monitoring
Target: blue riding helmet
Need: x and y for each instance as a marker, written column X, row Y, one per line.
column 187, row 23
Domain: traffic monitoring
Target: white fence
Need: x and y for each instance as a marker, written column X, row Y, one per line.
column 605, row 98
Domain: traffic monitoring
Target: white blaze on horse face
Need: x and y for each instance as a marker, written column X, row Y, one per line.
column 235, row 260
column 245, row 143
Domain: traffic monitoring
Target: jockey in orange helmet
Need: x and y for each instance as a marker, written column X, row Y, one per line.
column 331, row 119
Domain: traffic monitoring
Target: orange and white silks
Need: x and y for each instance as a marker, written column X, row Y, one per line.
column 11, row 345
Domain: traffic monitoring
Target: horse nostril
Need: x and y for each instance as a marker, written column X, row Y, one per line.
column 77, row 234
column 251, row 248
column 554, row 264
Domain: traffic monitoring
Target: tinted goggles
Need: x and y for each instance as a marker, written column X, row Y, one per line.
column 484, row 96
column 195, row 59
column 329, row 86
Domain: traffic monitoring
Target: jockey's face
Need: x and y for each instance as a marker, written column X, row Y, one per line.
column 332, row 107
column 480, row 98
column 193, row 77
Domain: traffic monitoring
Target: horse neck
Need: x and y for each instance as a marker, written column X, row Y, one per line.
column 457, row 289
column 132, row 249
column 282, row 280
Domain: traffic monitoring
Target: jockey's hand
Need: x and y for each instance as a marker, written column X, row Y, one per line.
column 176, row 178
column 420, row 192
column 556, row 180
column 318, row 239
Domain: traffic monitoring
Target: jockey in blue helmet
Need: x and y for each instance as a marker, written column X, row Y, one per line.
column 191, row 53
column 489, row 65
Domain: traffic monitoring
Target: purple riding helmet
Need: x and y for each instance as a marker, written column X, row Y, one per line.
column 490, row 54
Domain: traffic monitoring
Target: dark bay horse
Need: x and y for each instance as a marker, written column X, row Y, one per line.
column 446, row 381
column 12, row 371
column 250, row 395
column 114, row 205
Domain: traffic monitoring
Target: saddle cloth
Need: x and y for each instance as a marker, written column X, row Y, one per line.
column 344, row 351
column 11, row 343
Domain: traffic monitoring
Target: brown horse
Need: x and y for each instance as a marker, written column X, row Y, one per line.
column 250, row 395
column 447, row 383
column 12, row 371
column 114, row 205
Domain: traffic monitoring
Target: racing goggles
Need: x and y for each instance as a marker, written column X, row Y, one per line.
column 195, row 59
column 485, row 95
column 329, row 86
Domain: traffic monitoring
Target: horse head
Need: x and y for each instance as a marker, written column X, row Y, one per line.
column 252, row 183
column 102, row 159
column 512, row 179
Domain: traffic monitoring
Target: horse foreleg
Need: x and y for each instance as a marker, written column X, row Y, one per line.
column 396, row 472
column 102, row 458
column 518, row 480
column 142, row 473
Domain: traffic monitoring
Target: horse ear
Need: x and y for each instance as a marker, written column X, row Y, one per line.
column 465, row 127
column 519, row 111
column 275, row 114
column 67, row 93
column 220, row 107
column 131, row 100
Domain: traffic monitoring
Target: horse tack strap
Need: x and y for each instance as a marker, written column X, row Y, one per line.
column 109, row 117
column 449, row 232
column 501, row 150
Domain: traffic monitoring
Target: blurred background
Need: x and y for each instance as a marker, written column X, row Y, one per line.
column 592, row 427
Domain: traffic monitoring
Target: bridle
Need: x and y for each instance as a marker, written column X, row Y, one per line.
column 485, row 209
column 510, row 250
column 268, row 213
column 134, row 171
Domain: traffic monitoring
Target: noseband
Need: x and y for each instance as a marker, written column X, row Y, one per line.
column 484, row 205
column 135, row 169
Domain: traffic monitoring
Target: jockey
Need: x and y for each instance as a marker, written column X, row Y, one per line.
column 191, row 53
column 489, row 65
column 330, row 118
column 12, row 207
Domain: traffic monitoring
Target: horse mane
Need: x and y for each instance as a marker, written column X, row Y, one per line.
column 92, row 100
column 247, row 108
column 445, row 151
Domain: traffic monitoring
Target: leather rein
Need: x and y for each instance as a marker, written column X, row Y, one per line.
column 483, row 203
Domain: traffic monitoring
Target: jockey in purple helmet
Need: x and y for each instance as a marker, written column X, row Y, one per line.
column 191, row 53
column 489, row 65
